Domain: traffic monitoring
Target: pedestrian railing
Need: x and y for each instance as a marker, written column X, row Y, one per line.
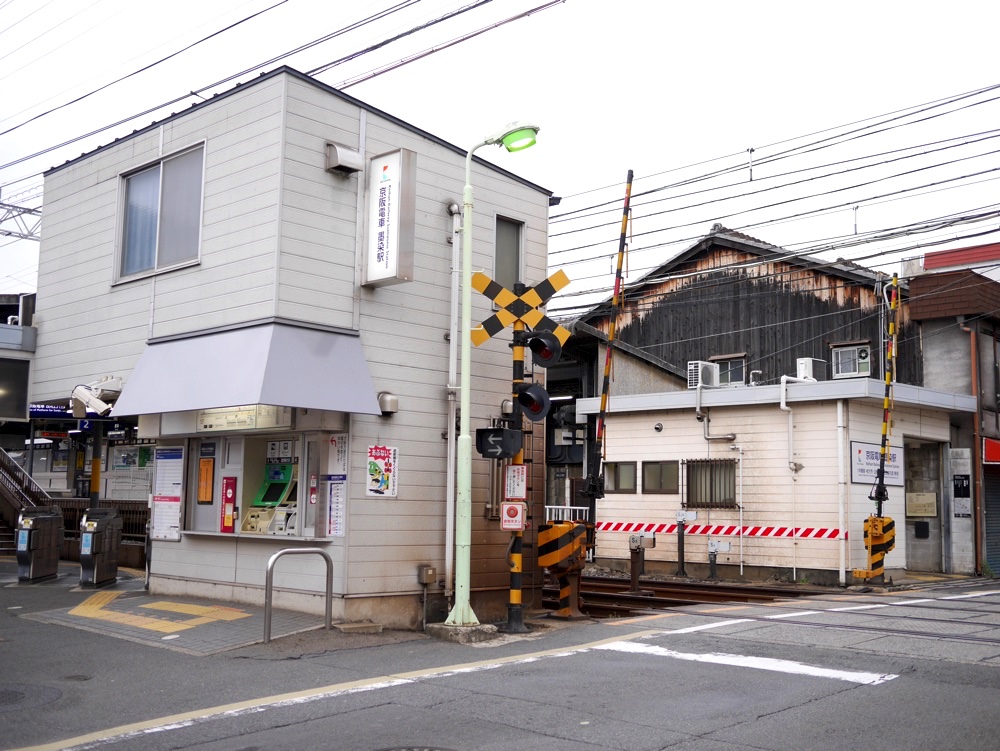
column 269, row 582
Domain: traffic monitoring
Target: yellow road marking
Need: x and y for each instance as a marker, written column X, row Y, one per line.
column 94, row 607
column 215, row 613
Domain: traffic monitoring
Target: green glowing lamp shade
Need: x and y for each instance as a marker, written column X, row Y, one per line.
column 519, row 139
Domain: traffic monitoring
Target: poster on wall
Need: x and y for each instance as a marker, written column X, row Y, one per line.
column 865, row 461
column 166, row 518
column 167, row 484
column 382, row 471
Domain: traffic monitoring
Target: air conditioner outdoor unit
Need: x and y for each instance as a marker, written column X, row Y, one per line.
column 810, row 367
column 701, row 373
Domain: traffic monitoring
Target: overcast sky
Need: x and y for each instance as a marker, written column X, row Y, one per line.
column 669, row 90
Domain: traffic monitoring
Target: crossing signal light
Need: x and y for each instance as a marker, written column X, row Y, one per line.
column 545, row 348
column 534, row 400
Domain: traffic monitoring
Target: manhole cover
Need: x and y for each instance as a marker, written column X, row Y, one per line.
column 18, row 696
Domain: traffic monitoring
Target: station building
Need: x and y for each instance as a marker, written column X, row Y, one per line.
column 272, row 274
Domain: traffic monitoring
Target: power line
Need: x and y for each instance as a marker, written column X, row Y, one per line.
column 144, row 68
column 351, row 27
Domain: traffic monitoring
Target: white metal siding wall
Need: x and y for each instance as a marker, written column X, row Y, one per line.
column 403, row 327
column 772, row 494
column 89, row 328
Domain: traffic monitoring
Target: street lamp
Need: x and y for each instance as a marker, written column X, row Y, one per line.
column 514, row 137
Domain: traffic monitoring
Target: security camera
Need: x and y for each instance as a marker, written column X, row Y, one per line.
column 83, row 399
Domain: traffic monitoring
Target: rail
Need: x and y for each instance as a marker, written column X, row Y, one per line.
column 567, row 513
column 269, row 582
column 19, row 487
column 134, row 516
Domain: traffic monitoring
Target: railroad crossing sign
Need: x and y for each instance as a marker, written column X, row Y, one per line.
column 523, row 307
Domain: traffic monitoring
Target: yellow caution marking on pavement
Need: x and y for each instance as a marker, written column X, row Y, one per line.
column 94, row 607
column 94, row 604
column 213, row 613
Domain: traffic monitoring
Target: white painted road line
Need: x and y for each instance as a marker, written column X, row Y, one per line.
column 857, row 607
column 758, row 663
column 972, row 594
column 707, row 626
column 794, row 614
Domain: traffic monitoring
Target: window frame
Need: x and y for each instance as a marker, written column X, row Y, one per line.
column 121, row 227
column 835, row 364
column 519, row 259
column 612, row 468
column 674, row 489
column 727, row 467
column 725, row 372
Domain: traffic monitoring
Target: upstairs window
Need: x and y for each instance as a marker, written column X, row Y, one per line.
column 852, row 362
column 162, row 226
column 507, row 254
column 619, row 477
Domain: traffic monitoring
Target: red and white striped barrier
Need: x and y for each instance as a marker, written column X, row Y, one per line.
column 723, row 530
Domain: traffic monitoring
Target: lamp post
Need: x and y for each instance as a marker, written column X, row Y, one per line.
column 514, row 137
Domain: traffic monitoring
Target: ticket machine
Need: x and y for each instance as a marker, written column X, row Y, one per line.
column 274, row 507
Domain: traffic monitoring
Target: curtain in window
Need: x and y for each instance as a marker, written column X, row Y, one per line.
column 142, row 192
column 507, row 263
column 180, row 209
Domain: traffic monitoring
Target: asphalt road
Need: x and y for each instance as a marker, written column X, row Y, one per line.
column 906, row 670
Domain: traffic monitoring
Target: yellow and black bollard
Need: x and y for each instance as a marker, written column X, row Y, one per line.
column 562, row 548
column 880, row 538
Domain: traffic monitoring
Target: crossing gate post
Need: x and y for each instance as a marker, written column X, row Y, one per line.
column 562, row 549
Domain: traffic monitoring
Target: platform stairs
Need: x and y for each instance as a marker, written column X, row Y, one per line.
column 17, row 491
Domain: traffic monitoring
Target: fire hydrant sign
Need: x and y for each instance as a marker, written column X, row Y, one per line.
column 516, row 488
column 512, row 516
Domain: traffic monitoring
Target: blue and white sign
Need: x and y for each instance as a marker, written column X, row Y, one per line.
column 865, row 461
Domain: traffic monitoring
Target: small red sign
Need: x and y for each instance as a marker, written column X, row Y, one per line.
column 991, row 451
column 227, row 522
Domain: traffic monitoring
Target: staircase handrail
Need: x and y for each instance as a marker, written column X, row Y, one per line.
column 23, row 490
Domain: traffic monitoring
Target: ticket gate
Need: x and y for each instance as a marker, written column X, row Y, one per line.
column 39, row 541
column 100, row 538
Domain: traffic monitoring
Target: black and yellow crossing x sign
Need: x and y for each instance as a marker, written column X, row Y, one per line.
column 522, row 307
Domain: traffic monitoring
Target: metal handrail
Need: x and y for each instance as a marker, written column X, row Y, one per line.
column 26, row 492
column 269, row 582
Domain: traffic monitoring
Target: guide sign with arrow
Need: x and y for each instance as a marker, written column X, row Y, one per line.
column 498, row 443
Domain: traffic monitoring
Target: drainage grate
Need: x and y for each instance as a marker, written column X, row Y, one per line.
column 17, row 696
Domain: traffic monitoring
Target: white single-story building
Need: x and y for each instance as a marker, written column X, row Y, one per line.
column 778, row 478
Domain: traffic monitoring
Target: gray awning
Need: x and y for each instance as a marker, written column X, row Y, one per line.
column 277, row 364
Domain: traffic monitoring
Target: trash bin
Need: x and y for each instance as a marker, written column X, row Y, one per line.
column 100, row 538
column 39, row 540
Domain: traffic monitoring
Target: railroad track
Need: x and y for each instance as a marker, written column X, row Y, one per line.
column 608, row 596
column 902, row 614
